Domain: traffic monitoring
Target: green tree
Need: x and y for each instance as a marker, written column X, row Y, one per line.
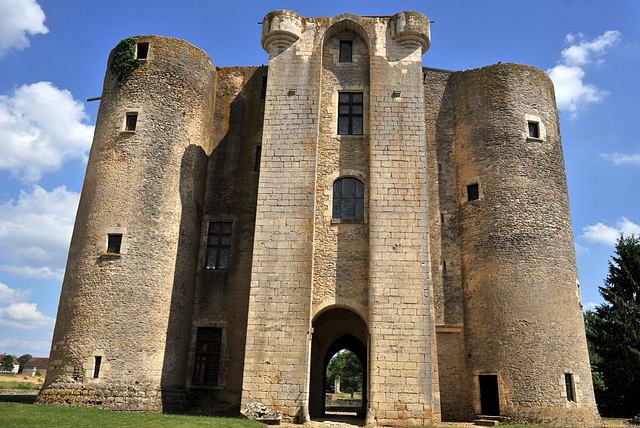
column 23, row 359
column 613, row 331
column 346, row 365
column 7, row 363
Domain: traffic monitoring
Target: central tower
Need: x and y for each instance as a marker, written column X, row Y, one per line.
column 343, row 173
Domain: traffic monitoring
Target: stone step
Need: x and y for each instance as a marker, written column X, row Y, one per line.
column 485, row 422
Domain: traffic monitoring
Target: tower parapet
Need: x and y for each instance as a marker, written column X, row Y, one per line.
column 280, row 29
column 411, row 29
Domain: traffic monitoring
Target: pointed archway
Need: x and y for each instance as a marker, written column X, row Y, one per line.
column 334, row 330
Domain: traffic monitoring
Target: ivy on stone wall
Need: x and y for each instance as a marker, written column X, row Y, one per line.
column 124, row 62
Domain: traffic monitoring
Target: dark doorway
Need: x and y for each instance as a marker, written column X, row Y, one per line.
column 335, row 330
column 489, row 399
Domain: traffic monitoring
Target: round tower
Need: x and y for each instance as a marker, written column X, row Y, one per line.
column 123, row 325
column 524, row 334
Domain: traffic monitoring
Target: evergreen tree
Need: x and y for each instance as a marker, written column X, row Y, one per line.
column 23, row 359
column 613, row 330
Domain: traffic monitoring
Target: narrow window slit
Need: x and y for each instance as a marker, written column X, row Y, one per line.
column 96, row 367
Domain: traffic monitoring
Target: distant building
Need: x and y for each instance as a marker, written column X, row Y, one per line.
column 16, row 364
column 240, row 225
column 34, row 365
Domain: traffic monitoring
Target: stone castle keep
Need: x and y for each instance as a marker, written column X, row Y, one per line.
column 240, row 225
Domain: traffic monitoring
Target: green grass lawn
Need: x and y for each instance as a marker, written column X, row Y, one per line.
column 356, row 395
column 15, row 384
column 29, row 415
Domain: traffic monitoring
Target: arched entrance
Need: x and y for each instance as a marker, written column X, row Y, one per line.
column 334, row 330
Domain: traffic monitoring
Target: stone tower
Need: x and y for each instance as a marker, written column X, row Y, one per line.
column 520, row 281
column 238, row 226
column 314, row 268
column 128, row 287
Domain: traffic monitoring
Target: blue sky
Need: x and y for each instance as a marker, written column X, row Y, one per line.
column 53, row 56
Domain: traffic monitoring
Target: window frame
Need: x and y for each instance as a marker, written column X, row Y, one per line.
column 344, row 55
column 114, row 243
column 340, row 202
column 221, row 234
column 349, row 115
column 128, row 116
column 210, row 358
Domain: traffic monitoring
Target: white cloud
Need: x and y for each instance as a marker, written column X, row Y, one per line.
column 600, row 232
column 580, row 248
column 26, row 345
column 10, row 295
column 35, row 232
column 41, row 127
column 589, row 306
column 622, row 158
column 19, row 18
column 568, row 76
column 24, row 316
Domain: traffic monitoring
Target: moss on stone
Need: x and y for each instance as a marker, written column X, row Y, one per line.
column 124, row 62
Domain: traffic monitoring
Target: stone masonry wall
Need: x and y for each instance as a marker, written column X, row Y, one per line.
column 276, row 366
column 404, row 379
column 444, row 244
column 222, row 296
column 341, row 251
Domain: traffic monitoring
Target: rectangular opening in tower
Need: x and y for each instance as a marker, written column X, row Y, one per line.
column 568, row 381
column 96, row 367
column 131, row 122
column 142, row 51
column 114, row 243
column 489, row 398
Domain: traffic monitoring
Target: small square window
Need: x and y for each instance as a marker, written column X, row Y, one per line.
column 114, row 243
column 142, row 51
column 534, row 130
column 131, row 122
column 346, row 51
column 473, row 192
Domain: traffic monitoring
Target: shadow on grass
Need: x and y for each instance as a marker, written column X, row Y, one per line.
column 25, row 399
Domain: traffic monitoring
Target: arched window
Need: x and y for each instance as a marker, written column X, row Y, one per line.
column 348, row 200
